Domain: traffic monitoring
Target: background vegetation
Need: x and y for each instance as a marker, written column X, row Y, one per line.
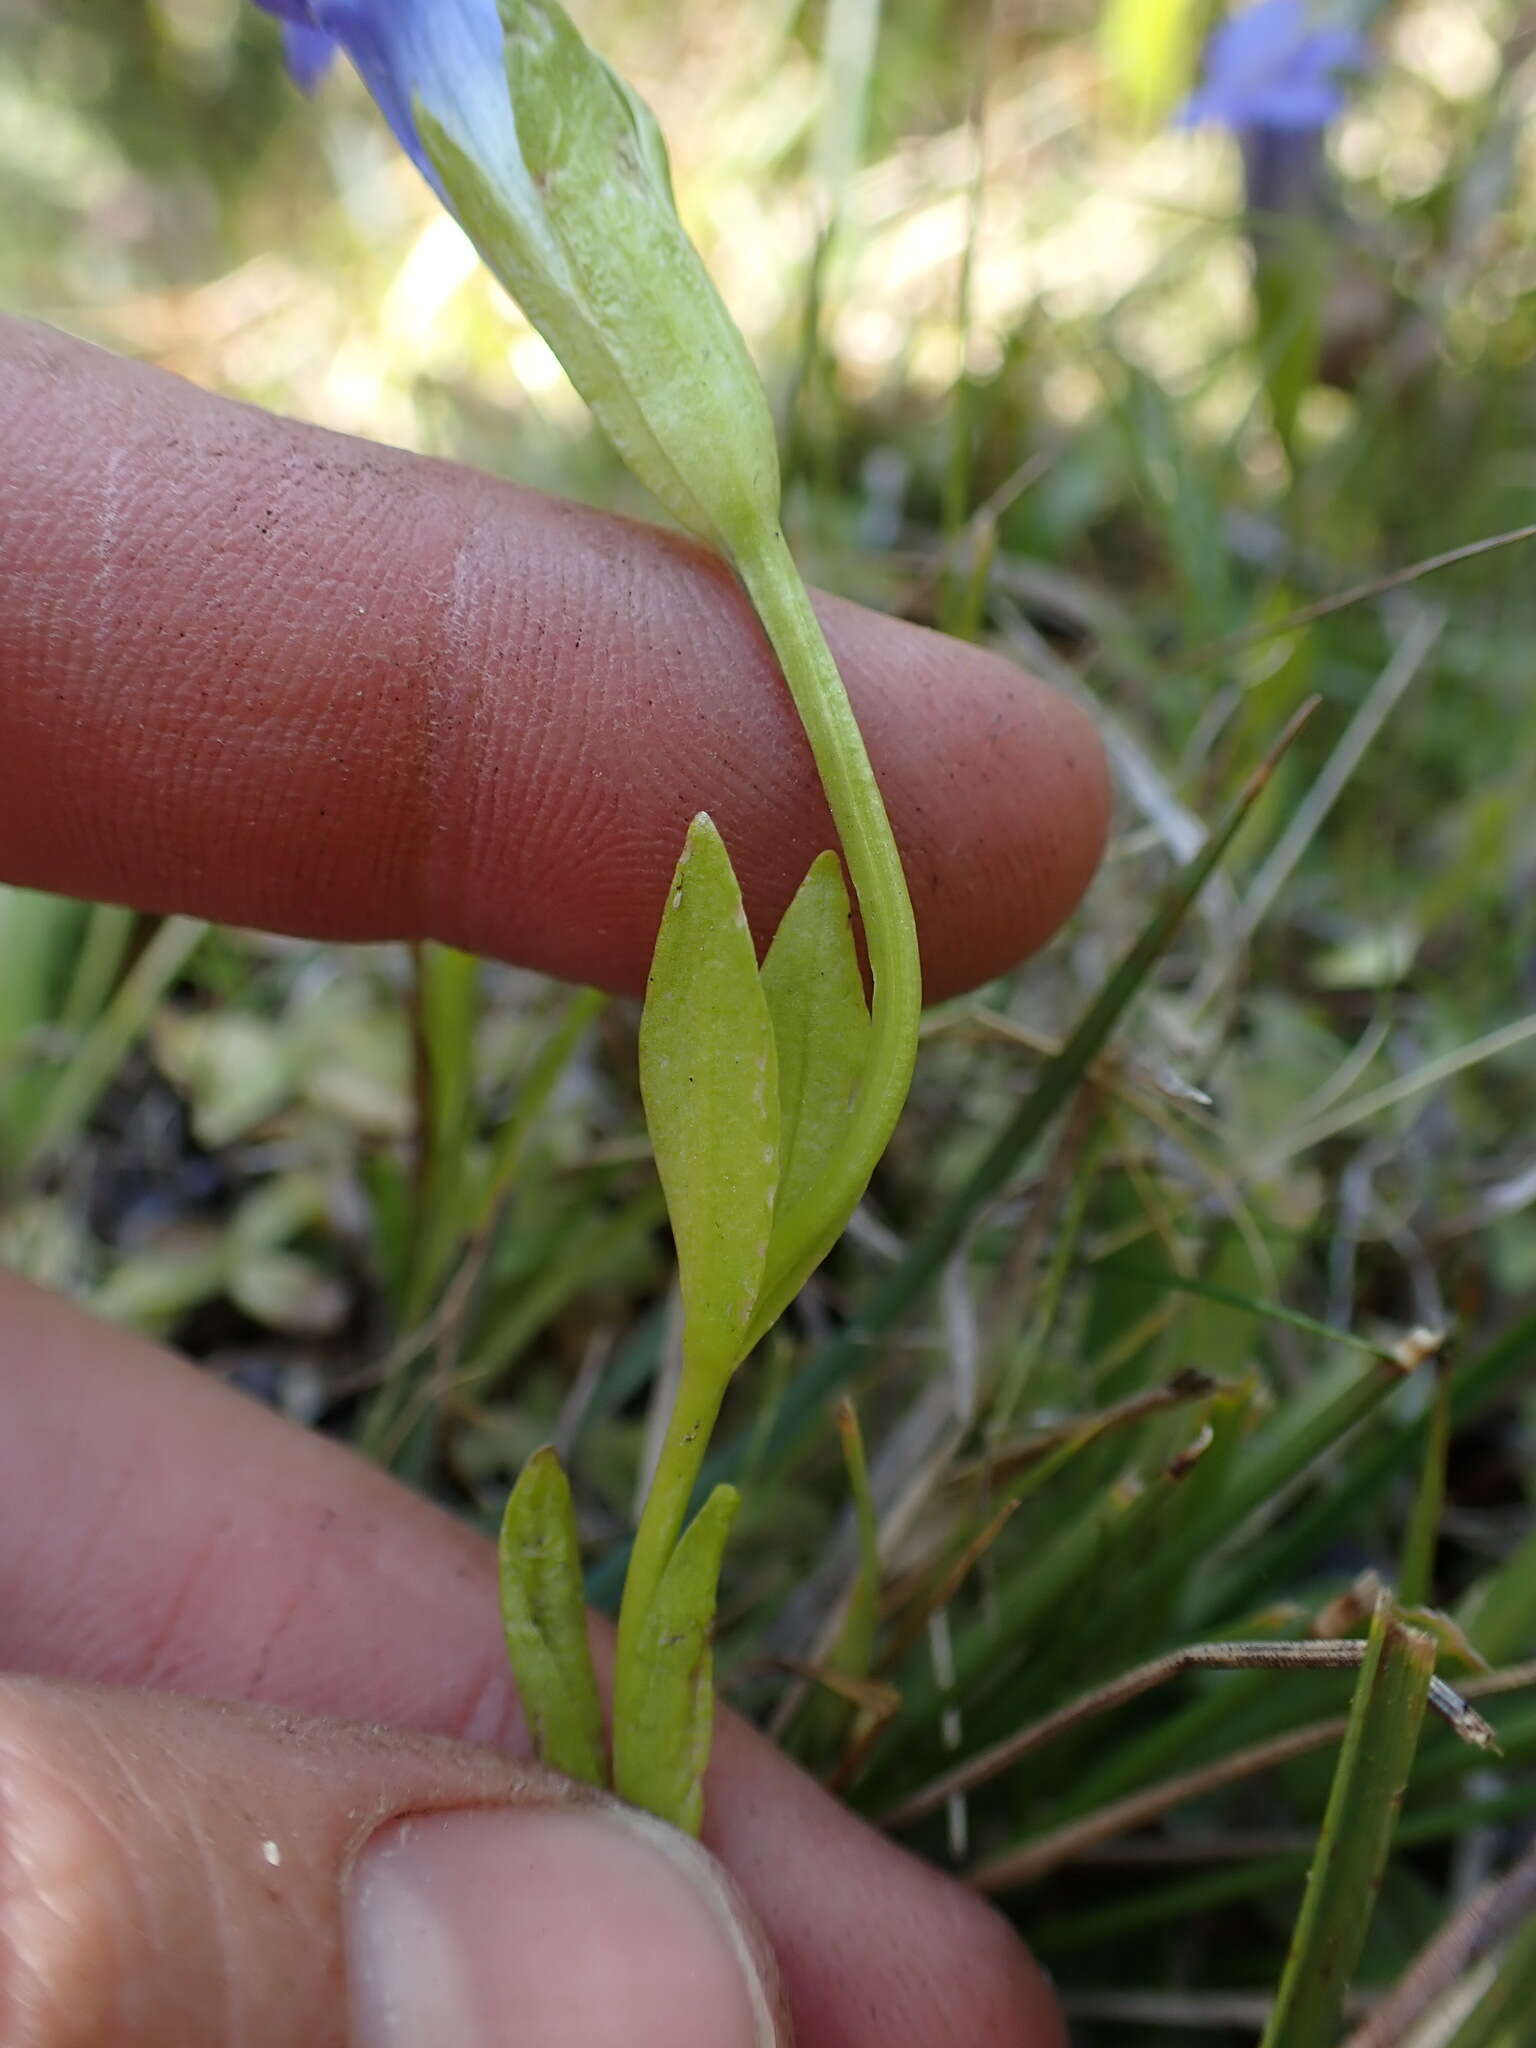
column 1147, row 1384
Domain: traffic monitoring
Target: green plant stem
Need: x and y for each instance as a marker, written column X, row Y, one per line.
column 699, row 1395
column 869, row 850
column 874, row 865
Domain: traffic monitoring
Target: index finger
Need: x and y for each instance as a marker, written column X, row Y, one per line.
column 280, row 677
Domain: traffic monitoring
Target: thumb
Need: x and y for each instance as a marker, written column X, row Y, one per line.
column 181, row 1871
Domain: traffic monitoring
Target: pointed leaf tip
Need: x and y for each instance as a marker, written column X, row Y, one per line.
column 709, row 1081
column 821, row 1028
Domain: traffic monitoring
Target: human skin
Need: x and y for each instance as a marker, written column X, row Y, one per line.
column 275, row 676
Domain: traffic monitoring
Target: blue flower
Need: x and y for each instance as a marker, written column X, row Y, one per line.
column 558, row 174
column 309, row 52
column 445, row 53
column 1274, row 66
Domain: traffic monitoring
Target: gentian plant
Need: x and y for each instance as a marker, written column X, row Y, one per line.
column 769, row 1092
column 1275, row 76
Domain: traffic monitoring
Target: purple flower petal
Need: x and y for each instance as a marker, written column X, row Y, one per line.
column 309, row 52
column 445, row 53
column 1274, row 66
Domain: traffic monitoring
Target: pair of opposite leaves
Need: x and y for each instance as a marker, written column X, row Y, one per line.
column 750, row 1079
column 662, row 1747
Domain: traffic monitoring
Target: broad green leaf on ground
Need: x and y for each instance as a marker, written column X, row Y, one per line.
column 709, row 1080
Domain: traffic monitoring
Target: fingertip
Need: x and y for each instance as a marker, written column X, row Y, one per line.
column 280, row 677
column 874, row 1945
column 183, row 1870
column 568, row 1926
column 613, row 682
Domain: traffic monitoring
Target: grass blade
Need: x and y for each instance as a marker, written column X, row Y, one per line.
column 830, row 1717
column 1317, row 1655
column 1503, row 2017
column 1490, row 1916
column 1037, row 1858
column 1476, row 1384
column 445, row 1010
column 102, row 1050
column 1281, row 1452
column 548, row 1069
column 1001, row 1651
column 1368, row 1786
column 1105, row 1925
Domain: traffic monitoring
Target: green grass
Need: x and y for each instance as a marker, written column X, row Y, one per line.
column 411, row 1199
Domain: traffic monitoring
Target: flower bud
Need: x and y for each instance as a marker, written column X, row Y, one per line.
column 558, row 174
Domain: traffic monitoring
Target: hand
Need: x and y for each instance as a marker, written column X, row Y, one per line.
column 274, row 676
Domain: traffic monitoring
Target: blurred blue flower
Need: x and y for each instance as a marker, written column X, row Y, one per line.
column 1274, row 66
column 445, row 53
column 309, row 52
column 558, row 174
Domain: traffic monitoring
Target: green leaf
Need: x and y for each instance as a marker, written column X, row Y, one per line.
column 664, row 1712
column 709, row 1080
column 1368, row 1785
column 1500, row 1614
column 233, row 1069
column 544, row 1616
column 925, row 1258
column 820, row 1022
